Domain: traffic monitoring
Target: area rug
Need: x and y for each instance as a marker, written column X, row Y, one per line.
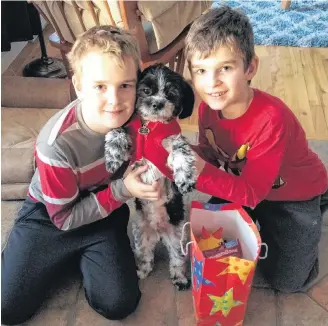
column 304, row 24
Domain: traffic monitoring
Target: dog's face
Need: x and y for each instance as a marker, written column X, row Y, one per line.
column 163, row 94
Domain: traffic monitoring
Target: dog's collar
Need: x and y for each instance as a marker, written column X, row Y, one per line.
column 144, row 130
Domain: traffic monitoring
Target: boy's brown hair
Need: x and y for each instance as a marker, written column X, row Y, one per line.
column 107, row 39
column 218, row 27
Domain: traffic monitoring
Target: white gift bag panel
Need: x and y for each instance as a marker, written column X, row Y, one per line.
column 234, row 227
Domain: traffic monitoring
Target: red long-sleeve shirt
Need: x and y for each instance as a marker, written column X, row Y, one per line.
column 70, row 159
column 278, row 164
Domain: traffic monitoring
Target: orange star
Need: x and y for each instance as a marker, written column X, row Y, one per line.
column 238, row 266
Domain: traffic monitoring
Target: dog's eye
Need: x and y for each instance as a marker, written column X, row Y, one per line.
column 147, row 91
column 172, row 94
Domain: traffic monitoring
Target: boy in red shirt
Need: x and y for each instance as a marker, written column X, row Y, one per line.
column 256, row 150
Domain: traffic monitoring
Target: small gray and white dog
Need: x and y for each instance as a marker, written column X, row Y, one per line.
column 162, row 95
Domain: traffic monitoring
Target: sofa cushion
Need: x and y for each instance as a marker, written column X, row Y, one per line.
column 20, row 128
column 15, row 191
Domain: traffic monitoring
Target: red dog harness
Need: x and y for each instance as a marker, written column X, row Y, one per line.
column 147, row 141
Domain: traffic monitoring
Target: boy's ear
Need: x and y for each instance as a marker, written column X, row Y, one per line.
column 187, row 100
column 252, row 68
column 77, row 86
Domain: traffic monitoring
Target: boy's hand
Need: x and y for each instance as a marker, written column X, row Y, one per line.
column 139, row 189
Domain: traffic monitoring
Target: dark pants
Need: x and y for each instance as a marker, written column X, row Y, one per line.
column 37, row 254
column 292, row 232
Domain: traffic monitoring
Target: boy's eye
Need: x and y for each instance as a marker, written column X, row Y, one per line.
column 200, row 71
column 147, row 91
column 226, row 68
column 100, row 87
column 126, row 86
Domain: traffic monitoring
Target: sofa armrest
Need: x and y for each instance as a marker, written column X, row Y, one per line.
column 22, row 92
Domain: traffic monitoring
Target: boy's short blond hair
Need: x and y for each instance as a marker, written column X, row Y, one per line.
column 218, row 27
column 107, row 39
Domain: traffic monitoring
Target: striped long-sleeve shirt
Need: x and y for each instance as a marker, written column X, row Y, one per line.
column 70, row 161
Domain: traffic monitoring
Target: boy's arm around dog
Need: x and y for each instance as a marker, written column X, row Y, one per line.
column 278, row 148
column 68, row 206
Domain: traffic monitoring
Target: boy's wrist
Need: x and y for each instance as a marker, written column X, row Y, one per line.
column 199, row 165
column 120, row 191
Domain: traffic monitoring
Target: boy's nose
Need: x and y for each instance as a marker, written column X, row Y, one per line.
column 213, row 80
column 112, row 96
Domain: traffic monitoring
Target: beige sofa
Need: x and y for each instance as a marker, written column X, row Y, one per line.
column 26, row 105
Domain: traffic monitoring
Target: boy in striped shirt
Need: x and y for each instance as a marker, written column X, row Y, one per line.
column 75, row 213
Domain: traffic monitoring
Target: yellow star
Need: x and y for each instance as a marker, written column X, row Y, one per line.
column 238, row 266
column 224, row 303
column 209, row 243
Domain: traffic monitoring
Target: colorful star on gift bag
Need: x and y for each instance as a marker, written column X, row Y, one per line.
column 198, row 274
column 238, row 266
column 210, row 240
column 224, row 303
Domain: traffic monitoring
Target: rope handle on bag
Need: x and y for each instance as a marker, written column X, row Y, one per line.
column 263, row 243
column 183, row 250
column 266, row 250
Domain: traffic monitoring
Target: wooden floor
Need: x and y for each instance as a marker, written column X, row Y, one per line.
column 299, row 76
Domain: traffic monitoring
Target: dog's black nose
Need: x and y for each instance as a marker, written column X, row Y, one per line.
column 158, row 105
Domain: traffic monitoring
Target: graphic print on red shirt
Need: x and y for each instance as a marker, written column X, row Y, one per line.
column 278, row 163
column 235, row 163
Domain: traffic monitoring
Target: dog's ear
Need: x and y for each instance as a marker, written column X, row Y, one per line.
column 139, row 74
column 187, row 100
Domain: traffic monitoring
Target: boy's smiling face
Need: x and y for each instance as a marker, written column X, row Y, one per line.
column 107, row 90
column 221, row 80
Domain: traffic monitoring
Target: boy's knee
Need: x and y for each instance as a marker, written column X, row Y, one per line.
column 17, row 305
column 11, row 314
column 292, row 283
column 286, row 287
column 114, row 306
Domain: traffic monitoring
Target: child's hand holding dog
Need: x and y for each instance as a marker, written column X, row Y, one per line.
column 139, row 189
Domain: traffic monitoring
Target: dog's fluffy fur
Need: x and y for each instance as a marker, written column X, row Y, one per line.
column 162, row 95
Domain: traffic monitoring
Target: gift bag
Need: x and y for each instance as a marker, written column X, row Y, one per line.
column 221, row 286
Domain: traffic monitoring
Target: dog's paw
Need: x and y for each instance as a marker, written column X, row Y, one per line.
column 183, row 162
column 181, row 283
column 186, row 186
column 136, row 164
column 117, row 149
column 144, row 269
